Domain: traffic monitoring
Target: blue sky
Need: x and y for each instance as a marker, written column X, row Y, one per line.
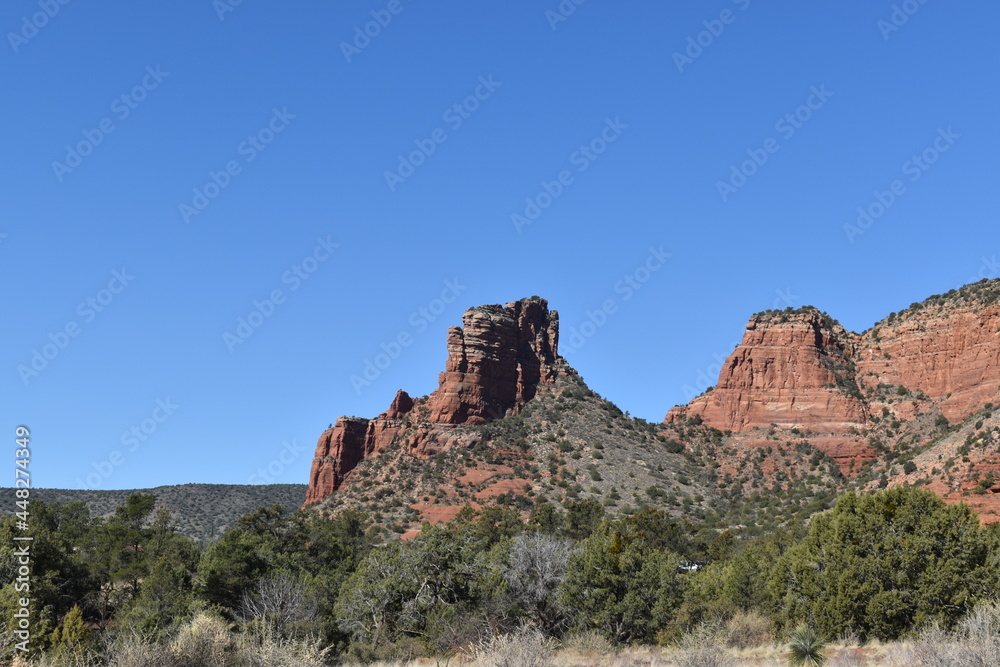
column 217, row 155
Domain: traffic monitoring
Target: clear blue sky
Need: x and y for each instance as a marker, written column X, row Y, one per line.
column 308, row 129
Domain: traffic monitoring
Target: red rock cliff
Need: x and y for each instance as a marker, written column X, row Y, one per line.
column 497, row 361
column 952, row 353
column 804, row 370
column 790, row 370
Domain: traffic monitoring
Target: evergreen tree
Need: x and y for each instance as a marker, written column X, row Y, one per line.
column 881, row 564
column 622, row 584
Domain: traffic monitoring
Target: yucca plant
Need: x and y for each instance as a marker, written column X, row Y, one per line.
column 806, row 648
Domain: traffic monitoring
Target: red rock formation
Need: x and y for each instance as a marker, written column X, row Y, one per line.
column 803, row 370
column 339, row 449
column 790, row 370
column 946, row 352
column 496, row 363
column 351, row 439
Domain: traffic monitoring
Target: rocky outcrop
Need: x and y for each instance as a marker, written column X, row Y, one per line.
column 947, row 352
column 791, row 370
column 497, row 361
column 803, row 370
column 351, row 439
column 339, row 449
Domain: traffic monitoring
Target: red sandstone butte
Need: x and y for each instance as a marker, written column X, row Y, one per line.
column 497, row 361
column 803, row 370
column 790, row 371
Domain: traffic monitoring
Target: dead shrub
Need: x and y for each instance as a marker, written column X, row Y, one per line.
column 588, row 641
column 748, row 630
column 525, row 647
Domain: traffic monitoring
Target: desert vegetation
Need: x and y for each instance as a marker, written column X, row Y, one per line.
column 895, row 575
column 203, row 512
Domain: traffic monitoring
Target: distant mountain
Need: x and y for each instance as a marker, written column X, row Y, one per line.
column 202, row 512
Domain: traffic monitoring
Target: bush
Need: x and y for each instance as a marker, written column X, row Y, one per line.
column 70, row 639
column 972, row 644
column 922, row 560
column 980, row 631
column 587, row 641
column 748, row 630
column 702, row 647
column 707, row 656
column 265, row 647
column 208, row 641
column 806, row 648
column 624, row 578
column 525, row 647
column 205, row 641
column 133, row 650
column 535, row 569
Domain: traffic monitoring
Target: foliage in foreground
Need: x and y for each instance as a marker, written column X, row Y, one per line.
column 304, row 589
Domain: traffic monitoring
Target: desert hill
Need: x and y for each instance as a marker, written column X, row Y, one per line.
column 203, row 512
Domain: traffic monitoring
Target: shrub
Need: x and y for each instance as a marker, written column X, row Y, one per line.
column 71, row 637
column 702, row 647
column 204, row 642
column 621, row 584
column 923, row 561
column 536, row 568
column 975, row 642
column 131, row 649
column 587, row 641
column 525, row 647
column 748, row 630
column 806, row 648
column 264, row 647
column 707, row 656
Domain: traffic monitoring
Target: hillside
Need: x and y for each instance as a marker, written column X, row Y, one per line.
column 203, row 512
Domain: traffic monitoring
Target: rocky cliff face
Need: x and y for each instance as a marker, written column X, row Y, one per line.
column 802, row 370
column 341, row 448
column 791, row 370
column 497, row 361
column 806, row 401
column 947, row 352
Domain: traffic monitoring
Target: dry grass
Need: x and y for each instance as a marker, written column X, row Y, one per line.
column 526, row 647
column 207, row 641
column 975, row 643
column 691, row 655
column 587, row 642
